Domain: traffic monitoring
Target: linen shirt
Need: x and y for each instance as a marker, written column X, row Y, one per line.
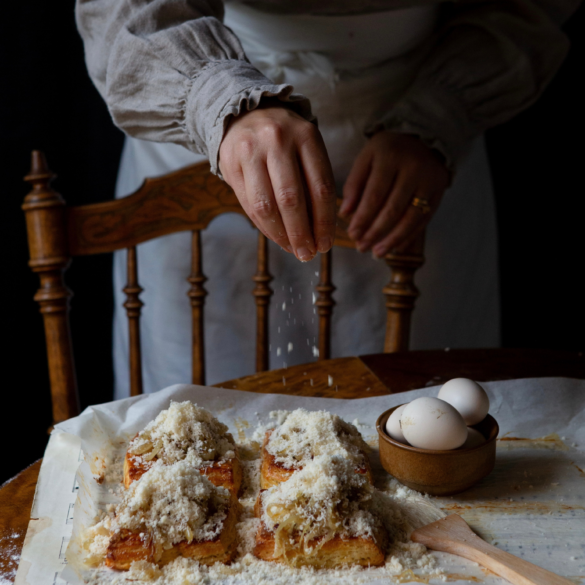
column 170, row 71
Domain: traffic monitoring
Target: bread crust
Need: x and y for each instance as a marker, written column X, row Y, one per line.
column 272, row 473
column 364, row 551
column 227, row 474
column 127, row 547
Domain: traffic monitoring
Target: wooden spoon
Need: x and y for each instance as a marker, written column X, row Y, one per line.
column 453, row 535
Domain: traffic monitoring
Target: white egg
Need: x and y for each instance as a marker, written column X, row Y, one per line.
column 474, row 439
column 468, row 397
column 430, row 423
column 393, row 425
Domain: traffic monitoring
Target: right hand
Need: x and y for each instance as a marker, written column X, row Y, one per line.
column 276, row 163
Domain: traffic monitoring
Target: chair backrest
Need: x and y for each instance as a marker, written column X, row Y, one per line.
column 186, row 200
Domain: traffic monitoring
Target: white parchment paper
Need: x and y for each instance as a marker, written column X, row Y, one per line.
column 532, row 504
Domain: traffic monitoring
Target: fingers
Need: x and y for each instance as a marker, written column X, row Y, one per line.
column 355, row 183
column 408, row 228
column 378, row 186
column 392, row 211
column 259, row 203
column 235, row 179
column 277, row 164
column 321, row 190
column 289, row 195
column 391, row 169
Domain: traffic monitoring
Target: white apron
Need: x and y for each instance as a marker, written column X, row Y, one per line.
column 350, row 67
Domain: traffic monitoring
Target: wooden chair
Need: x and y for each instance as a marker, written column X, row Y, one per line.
column 187, row 199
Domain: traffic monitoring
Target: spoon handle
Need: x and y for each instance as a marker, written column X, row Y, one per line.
column 453, row 535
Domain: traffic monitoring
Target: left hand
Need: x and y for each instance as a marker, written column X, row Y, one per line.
column 389, row 172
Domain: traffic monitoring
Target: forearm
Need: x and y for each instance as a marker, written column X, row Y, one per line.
column 490, row 60
column 170, row 71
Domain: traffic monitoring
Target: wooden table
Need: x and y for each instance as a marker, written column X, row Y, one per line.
column 356, row 377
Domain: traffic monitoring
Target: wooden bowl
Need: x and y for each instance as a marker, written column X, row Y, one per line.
column 438, row 473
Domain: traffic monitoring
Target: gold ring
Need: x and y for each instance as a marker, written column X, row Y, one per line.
column 422, row 204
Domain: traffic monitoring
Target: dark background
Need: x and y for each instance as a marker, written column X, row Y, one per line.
column 47, row 102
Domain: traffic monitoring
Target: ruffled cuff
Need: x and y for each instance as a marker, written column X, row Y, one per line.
column 182, row 84
column 226, row 88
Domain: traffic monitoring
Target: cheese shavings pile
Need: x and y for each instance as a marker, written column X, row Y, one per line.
column 406, row 561
column 327, row 498
column 171, row 504
column 399, row 509
column 304, row 435
column 183, row 432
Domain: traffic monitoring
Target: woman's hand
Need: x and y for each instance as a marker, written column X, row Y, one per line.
column 390, row 171
column 276, row 163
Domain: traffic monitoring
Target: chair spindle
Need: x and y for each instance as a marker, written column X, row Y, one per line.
column 262, row 293
column 133, row 306
column 325, row 304
column 49, row 257
column 401, row 294
column 197, row 294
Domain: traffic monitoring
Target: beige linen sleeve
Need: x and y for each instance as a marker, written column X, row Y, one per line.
column 170, row 71
column 488, row 61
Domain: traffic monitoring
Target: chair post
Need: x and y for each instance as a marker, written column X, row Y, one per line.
column 262, row 293
column 401, row 294
column 197, row 294
column 325, row 304
column 133, row 306
column 44, row 210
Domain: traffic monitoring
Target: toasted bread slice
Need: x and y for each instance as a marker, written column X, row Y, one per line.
column 127, row 547
column 227, row 474
column 273, row 473
column 334, row 553
column 134, row 468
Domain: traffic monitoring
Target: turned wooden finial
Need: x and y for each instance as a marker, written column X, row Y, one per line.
column 38, row 165
column 43, row 208
column 40, row 177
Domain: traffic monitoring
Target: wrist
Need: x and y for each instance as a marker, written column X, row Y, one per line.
column 272, row 102
column 437, row 153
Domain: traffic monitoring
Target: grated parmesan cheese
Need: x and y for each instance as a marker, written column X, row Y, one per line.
column 96, row 540
column 400, row 508
column 183, row 431
column 304, row 435
column 327, row 498
column 171, row 504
